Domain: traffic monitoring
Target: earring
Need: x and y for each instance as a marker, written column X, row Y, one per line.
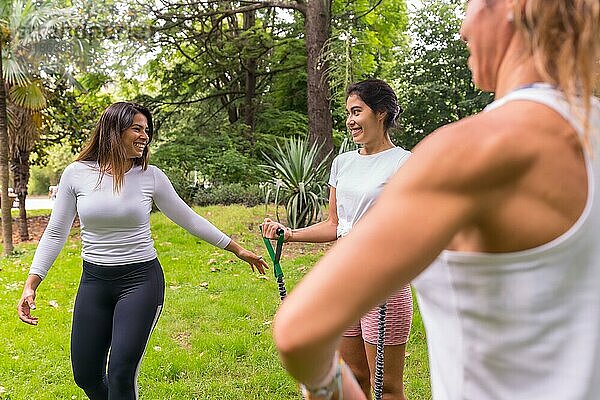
column 511, row 16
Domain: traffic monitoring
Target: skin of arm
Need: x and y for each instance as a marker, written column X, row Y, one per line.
column 435, row 195
column 324, row 231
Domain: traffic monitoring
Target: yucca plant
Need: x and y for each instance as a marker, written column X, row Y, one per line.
column 347, row 145
column 298, row 180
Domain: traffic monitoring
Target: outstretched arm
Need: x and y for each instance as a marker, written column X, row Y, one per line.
column 324, row 231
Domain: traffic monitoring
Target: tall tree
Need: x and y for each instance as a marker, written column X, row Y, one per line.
column 23, row 133
column 229, row 45
column 38, row 47
column 318, row 30
column 434, row 80
column 219, row 54
column 6, row 202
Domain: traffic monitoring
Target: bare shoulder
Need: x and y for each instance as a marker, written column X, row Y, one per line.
column 484, row 151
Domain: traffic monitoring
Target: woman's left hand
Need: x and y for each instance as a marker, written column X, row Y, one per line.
column 254, row 261
column 248, row 256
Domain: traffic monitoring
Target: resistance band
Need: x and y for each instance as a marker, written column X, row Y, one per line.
column 379, row 352
column 379, row 368
column 275, row 257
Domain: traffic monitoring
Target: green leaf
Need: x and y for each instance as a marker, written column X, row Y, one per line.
column 30, row 97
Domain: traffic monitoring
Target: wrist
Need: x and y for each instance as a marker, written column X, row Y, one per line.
column 327, row 387
column 32, row 282
column 234, row 247
column 290, row 234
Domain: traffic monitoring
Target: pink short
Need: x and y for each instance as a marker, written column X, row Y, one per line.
column 398, row 319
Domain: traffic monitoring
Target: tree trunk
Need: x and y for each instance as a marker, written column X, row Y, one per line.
column 250, row 87
column 317, row 27
column 20, row 169
column 6, row 202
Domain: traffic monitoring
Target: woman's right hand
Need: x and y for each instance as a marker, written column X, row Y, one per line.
column 270, row 228
column 27, row 301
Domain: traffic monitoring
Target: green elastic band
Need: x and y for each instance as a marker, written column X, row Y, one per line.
column 275, row 255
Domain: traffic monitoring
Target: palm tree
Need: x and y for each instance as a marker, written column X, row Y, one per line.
column 34, row 51
column 4, row 199
column 22, row 135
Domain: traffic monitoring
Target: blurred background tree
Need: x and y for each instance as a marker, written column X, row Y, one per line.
column 228, row 81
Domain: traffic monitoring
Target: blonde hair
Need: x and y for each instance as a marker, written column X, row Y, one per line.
column 106, row 146
column 564, row 39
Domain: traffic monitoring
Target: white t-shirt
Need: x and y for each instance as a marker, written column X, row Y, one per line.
column 358, row 181
column 523, row 325
column 115, row 227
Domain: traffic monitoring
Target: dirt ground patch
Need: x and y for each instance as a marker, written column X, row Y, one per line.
column 36, row 226
column 293, row 250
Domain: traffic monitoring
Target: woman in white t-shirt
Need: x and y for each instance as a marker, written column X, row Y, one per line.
column 357, row 177
column 112, row 188
column 497, row 216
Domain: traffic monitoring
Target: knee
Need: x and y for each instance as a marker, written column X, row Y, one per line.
column 121, row 380
column 84, row 381
column 89, row 383
column 363, row 378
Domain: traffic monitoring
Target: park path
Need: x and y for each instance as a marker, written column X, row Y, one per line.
column 38, row 203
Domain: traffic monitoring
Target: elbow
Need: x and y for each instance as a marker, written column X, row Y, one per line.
column 289, row 336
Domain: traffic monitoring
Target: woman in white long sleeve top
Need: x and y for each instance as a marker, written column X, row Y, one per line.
column 112, row 188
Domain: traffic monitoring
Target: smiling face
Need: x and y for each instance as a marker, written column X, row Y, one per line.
column 135, row 138
column 365, row 125
column 487, row 29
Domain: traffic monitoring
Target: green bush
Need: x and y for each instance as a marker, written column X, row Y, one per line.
column 39, row 180
column 232, row 193
column 47, row 171
column 215, row 156
column 299, row 180
column 181, row 183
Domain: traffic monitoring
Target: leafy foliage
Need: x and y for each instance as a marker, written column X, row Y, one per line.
column 71, row 114
column 367, row 37
column 297, row 180
column 217, row 155
column 232, row 193
column 434, row 82
column 42, row 176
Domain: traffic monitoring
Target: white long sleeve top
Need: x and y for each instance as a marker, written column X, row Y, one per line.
column 115, row 227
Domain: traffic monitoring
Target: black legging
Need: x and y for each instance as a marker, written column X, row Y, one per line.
column 116, row 308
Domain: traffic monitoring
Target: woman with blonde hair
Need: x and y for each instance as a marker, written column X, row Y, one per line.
column 494, row 218
column 112, row 188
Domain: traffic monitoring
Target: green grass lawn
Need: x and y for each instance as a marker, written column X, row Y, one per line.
column 213, row 340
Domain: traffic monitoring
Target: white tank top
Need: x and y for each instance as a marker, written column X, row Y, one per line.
column 522, row 325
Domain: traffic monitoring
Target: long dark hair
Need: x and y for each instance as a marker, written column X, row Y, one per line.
column 380, row 97
column 106, row 146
